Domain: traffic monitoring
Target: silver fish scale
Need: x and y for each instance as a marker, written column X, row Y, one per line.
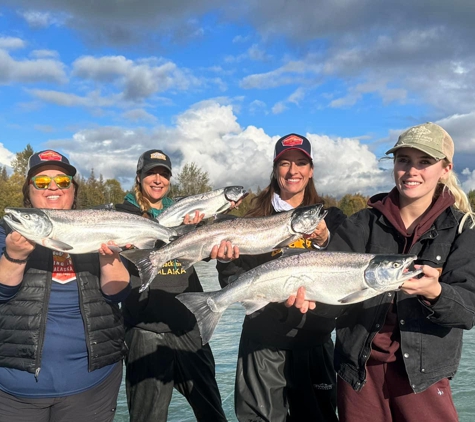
column 85, row 230
column 208, row 203
column 252, row 235
column 327, row 277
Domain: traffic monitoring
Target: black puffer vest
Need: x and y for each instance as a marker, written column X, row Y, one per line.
column 23, row 318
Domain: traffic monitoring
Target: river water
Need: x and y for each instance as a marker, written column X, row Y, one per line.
column 225, row 344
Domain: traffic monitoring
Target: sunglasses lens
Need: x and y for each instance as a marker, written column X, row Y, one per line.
column 62, row 182
column 41, row 182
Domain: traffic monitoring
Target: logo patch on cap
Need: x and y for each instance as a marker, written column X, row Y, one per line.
column 50, row 156
column 292, row 141
column 158, row 156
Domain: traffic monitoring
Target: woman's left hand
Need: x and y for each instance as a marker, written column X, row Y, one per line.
column 428, row 285
column 299, row 301
column 194, row 218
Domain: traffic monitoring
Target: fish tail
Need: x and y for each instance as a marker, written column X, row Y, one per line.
column 141, row 259
column 201, row 305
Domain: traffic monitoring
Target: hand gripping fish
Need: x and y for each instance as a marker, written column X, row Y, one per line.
column 253, row 236
column 334, row 278
column 83, row 231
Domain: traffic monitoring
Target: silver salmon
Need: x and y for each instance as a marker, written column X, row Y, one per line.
column 210, row 203
column 334, row 278
column 253, row 236
column 83, row 231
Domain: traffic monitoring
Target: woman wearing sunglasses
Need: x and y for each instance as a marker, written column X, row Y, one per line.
column 61, row 330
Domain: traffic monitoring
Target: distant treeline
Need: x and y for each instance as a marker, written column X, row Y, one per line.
column 94, row 191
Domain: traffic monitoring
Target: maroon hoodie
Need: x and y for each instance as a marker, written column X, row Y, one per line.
column 386, row 343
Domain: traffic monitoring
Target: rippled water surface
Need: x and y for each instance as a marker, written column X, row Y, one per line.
column 225, row 343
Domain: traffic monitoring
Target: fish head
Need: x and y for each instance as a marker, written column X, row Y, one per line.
column 31, row 223
column 235, row 193
column 388, row 272
column 304, row 220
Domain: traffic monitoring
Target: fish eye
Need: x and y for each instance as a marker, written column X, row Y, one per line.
column 396, row 264
column 27, row 217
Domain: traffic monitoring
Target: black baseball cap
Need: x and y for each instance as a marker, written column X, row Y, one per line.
column 153, row 158
column 293, row 141
column 51, row 157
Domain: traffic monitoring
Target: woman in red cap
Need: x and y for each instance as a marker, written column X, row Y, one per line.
column 285, row 362
column 61, row 329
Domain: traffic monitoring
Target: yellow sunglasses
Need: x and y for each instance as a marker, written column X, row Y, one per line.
column 42, row 182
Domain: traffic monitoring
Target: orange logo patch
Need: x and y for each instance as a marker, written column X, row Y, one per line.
column 50, row 156
column 291, row 141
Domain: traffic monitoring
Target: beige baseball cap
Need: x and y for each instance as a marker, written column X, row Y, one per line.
column 429, row 138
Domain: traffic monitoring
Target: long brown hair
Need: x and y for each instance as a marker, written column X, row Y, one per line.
column 262, row 203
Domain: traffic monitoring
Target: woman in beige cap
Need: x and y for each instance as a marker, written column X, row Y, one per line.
column 396, row 353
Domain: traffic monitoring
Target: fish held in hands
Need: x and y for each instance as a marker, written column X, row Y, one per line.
column 333, row 278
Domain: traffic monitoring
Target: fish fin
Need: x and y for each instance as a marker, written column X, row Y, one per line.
column 199, row 304
column 224, row 217
column 57, row 244
column 284, row 242
column 141, row 259
column 254, row 305
column 178, row 198
column 115, row 248
column 293, row 251
column 149, row 244
column 222, row 208
column 355, row 297
column 183, row 229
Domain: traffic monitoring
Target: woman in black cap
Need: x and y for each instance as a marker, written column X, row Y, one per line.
column 61, row 329
column 165, row 349
column 285, row 363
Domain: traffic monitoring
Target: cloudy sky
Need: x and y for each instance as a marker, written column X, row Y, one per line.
column 218, row 82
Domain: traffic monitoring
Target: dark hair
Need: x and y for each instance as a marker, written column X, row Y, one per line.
column 262, row 203
column 26, row 194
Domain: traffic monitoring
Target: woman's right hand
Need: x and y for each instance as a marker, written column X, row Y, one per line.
column 225, row 251
column 17, row 246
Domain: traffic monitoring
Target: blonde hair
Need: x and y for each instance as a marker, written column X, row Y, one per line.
column 143, row 202
column 462, row 203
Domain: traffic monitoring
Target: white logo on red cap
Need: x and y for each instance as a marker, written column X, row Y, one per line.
column 50, row 156
column 158, row 156
column 292, row 141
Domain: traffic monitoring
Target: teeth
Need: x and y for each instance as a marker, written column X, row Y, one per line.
column 53, row 197
column 412, row 183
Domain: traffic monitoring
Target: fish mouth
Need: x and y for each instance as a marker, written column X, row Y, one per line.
column 237, row 197
column 408, row 271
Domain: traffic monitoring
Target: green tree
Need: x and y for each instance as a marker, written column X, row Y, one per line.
column 350, row 204
column 330, row 201
column 191, row 181
column 91, row 191
column 113, row 192
column 20, row 162
column 245, row 205
column 4, row 174
column 471, row 198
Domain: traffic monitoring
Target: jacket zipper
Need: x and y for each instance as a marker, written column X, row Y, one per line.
column 44, row 314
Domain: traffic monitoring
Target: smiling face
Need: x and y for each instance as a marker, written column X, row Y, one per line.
column 293, row 171
column 155, row 184
column 52, row 197
column 416, row 175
